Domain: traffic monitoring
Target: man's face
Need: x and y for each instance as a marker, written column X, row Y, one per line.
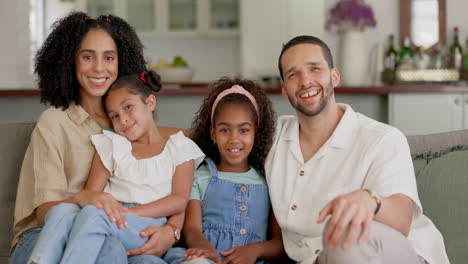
column 308, row 80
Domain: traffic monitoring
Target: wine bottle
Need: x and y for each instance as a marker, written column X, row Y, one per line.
column 390, row 55
column 456, row 51
column 465, row 57
column 406, row 55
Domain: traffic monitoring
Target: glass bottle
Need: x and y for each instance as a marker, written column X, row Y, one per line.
column 390, row 55
column 465, row 56
column 422, row 59
column 456, row 51
column 406, row 55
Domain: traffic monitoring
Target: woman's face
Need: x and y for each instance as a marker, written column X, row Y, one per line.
column 96, row 63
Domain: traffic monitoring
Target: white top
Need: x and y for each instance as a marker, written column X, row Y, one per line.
column 361, row 153
column 145, row 180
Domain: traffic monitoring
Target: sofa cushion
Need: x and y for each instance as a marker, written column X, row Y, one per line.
column 442, row 178
column 14, row 141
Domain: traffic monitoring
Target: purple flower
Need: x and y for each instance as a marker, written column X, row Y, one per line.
column 350, row 15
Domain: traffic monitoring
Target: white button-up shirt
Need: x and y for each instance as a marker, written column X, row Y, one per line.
column 360, row 154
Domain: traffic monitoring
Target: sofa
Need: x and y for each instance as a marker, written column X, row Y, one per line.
column 440, row 161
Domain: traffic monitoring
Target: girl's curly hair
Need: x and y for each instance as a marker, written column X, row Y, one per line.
column 142, row 84
column 265, row 127
column 55, row 60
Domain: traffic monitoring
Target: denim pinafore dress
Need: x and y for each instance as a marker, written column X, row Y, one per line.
column 234, row 214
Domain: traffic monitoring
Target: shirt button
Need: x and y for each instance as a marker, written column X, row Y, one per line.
column 317, row 251
column 293, row 207
column 243, row 207
column 242, row 231
column 243, row 189
column 301, row 173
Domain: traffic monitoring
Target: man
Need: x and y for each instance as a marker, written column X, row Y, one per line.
column 332, row 165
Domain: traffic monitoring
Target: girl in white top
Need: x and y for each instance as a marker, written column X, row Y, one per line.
column 147, row 171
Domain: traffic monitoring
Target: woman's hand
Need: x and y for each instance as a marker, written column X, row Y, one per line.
column 241, row 255
column 114, row 210
column 203, row 252
column 161, row 238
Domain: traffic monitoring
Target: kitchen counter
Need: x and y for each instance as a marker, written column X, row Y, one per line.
column 200, row 88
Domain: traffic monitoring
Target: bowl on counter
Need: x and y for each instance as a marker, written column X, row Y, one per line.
column 176, row 74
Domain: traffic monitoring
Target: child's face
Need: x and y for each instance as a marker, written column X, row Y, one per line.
column 96, row 63
column 234, row 134
column 130, row 116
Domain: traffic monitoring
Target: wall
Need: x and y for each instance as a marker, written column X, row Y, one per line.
column 14, row 45
column 178, row 111
column 211, row 58
column 201, row 53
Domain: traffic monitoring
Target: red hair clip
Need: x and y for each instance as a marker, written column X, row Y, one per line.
column 142, row 77
column 87, row 17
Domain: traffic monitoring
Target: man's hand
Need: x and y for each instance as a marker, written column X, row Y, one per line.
column 114, row 210
column 350, row 213
column 161, row 238
column 202, row 252
column 241, row 255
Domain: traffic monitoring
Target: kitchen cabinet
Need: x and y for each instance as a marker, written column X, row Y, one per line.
column 268, row 24
column 213, row 18
column 428, row 113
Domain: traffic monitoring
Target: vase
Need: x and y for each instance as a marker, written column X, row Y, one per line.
column 353, row 58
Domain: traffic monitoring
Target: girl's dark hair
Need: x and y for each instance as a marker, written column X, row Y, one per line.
column 265, row 122
column 142, row 84
column 55, row 60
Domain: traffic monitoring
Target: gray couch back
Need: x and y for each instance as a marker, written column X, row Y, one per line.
column 15, row 138
column 14, row 141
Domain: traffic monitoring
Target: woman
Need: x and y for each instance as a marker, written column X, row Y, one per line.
column 76, row 65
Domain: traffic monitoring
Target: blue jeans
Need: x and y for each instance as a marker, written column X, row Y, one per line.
column 112, row 251
column 176, row 256
column 74, row 235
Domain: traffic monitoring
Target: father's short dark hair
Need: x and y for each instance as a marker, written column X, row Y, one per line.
column 304, row 39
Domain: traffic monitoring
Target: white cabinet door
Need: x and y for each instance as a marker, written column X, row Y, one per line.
column 268, row 24
column 417, row 114
column 185, row 18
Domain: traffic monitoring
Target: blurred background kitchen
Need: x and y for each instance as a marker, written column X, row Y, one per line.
column 419, row 87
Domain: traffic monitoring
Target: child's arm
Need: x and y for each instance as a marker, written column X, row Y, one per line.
column 198, row 245
column 175, row 202
column 269, row 249
column 98, row 175
column 97, row 180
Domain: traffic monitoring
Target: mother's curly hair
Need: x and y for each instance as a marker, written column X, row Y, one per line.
column 264, row 129
column 55, row 61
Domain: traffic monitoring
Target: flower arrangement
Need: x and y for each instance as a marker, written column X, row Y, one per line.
column 350, row 15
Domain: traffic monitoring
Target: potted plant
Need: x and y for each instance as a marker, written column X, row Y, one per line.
column 349, row 18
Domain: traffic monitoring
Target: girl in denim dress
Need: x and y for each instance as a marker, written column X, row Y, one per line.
column 229, row 209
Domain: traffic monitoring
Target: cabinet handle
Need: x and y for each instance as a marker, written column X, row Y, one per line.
column 457, row 101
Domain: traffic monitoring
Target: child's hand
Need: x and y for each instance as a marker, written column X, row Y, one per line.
column 114, row 210
column 241, row 255
column 209, row 253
